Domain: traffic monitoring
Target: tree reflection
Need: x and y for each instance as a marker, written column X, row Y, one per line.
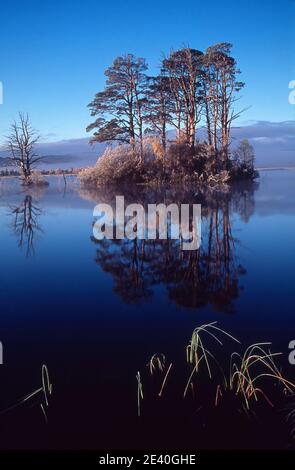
column 193, row 279
column 25, row 224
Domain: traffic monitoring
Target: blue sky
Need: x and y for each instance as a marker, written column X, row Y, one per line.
column 53, row 54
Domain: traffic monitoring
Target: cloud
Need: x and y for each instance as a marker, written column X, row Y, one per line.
column 50, row 135
column 268, row 140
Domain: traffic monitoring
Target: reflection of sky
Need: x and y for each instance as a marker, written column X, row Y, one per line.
column 277, row 193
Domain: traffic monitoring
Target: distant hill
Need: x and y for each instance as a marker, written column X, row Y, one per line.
column 5, row 162
column 72, row 153
column 274, row 145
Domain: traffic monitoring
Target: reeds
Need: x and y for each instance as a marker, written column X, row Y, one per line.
column 197, row 350
column 139, row 393
column 156, row 362
column 45, row 391
column 165, row 380
column 196, row 344
column 249, row 371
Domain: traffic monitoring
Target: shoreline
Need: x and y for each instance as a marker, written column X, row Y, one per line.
column 281, row 168
column 259, row 169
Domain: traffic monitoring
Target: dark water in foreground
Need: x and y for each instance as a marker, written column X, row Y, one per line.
column 95, row 313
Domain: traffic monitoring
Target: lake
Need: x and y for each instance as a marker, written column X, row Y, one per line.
column 95, row 313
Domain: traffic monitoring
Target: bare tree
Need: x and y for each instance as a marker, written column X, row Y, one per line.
column 21, row 144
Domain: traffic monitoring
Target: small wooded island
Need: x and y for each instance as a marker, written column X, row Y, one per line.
column 170, row 128
column 173, row 128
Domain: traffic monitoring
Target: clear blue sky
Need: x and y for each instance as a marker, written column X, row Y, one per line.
column 54, row 53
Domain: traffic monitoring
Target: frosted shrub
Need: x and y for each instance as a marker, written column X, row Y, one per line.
column 116, row 165
column 150, row 164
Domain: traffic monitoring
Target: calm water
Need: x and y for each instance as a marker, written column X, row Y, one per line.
column 95, row 312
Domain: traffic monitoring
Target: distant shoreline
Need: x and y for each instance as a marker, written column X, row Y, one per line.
column 287, row 168
column 43, row 174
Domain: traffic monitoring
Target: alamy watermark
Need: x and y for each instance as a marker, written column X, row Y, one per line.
column 159, row 221
column 292, row 93
column 292, row 352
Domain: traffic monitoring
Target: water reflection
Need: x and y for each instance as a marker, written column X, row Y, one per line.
column 193, row 279
column 25, row 223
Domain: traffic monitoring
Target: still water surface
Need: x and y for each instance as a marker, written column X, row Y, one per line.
column 95, row 313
